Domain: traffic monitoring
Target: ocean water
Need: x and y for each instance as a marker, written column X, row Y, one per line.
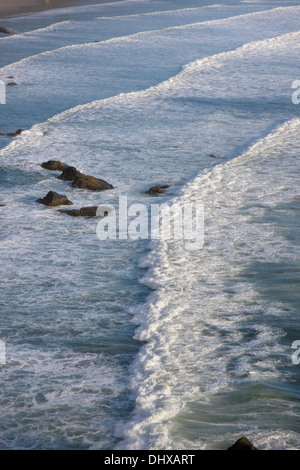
column 144, row 344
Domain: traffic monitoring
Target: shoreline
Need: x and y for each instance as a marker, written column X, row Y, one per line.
column 20, row 7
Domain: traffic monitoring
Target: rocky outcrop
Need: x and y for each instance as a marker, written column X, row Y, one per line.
column 91, row 183
column 55, row 199
column 158, row 189
column 69, row 173
column 90, row 211
column 54, row 165
column 242, row 444
column 82, row 181
column 4, row 30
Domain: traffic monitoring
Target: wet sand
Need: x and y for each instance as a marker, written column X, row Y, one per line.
column 17, row 7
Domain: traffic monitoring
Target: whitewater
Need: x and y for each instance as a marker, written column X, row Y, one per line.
column 143, row 344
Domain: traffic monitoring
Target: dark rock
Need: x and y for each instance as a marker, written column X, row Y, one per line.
column 83, row 212
column 7, row 30
column 14, row 134
column 69, row 174
column 84, row 181
column 91, row 183
column 12, row 84
column 10, row 77
column 55, row 199
column 40, row 398
column 242, row 444
column 215, row 155
column 54, row 165
column 158, row 189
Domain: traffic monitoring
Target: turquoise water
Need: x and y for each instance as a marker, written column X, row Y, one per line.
column 143, row 344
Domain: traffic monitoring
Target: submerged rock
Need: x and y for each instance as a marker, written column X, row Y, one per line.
column 40, row 398
column 91, row 183
column 158, row 189
column 54, row 165
column 7, row 30
column 90, row 211
column 55, row 199
column 215, row 155
column 242, row 444
column 14, row 134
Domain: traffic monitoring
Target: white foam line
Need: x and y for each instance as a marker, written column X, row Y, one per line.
column 153, row 91
column 145, row 33
column 187, row 70
column 261, row 144
column 162, row 12
column 149, row 319
column 39, row 30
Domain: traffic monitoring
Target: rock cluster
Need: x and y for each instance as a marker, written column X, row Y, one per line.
column 79, row 180
column 82, row 181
